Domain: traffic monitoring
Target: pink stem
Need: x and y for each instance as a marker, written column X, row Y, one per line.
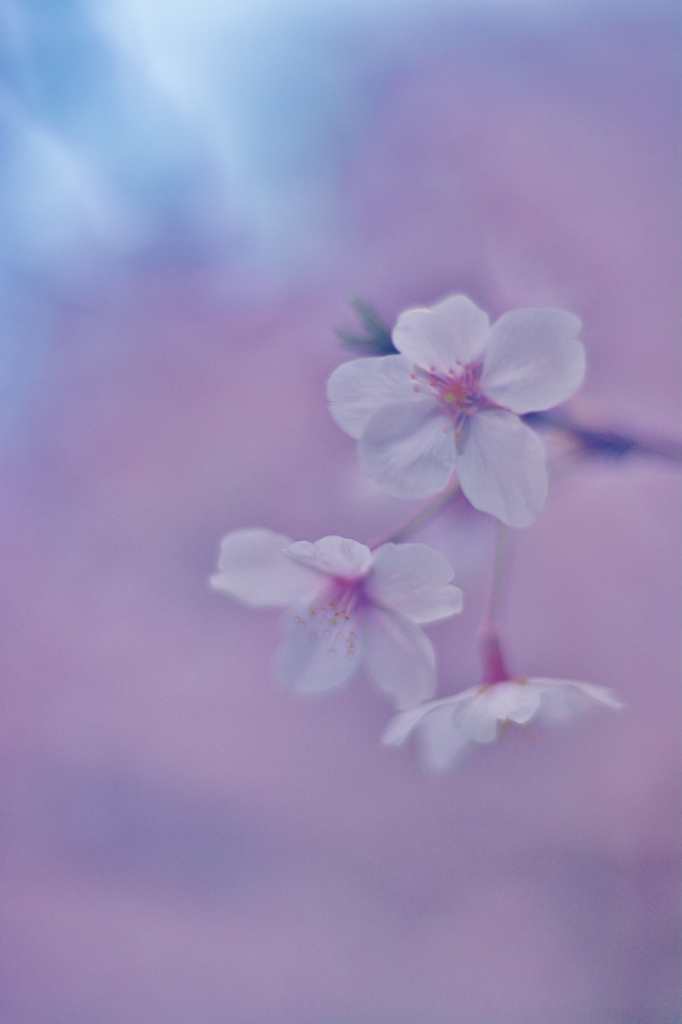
column 489, row 644
column 431, row 510
column 490, row 649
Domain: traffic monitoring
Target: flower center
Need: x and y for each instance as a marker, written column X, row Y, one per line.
column 332, row 618
column 343, row 598
column 458, row 394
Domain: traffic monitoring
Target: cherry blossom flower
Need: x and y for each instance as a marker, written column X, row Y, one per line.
column 348, row 606
column 452, row 399
column 448, row 727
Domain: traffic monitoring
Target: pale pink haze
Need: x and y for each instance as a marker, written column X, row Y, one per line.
column 451, row 400
column 348, row 606
column 447, row 727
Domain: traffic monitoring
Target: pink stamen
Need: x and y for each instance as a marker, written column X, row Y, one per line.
column 332, row 617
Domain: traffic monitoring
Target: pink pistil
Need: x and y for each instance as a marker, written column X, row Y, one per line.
column 344, row 597
column 459, row 395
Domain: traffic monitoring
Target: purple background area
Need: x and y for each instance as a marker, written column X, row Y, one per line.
column 190, row 195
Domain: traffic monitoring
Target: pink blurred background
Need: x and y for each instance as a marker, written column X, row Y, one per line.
column 190, row 194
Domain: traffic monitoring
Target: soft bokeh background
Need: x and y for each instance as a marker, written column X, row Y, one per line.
column 189, row 192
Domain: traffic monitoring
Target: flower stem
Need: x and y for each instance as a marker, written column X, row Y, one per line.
column 426, row 514
column 609, row 443
column 499, row 573
column 492, row 657
column 489, row 645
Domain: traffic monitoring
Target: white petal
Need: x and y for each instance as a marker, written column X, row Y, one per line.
column 253, row 568
column 322, row 649
column 600, row 695
column 476, row 719
column 513, row 701
column 409, row 449
column 533, row 359
column 333, row 556
column 441, row 743
column 358, row 389
column 412, row 579
column 399, row 658
column 402, row 724
column 563, row 698
column 444, row 338
column 501, row 467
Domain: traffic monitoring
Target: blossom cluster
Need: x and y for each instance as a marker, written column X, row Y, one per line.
column 449, row 401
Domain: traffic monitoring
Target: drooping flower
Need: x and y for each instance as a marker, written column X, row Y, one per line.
column 447, row 727
column 348, row 606
column 452, row 399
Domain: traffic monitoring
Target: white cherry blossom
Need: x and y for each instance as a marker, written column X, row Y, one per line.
column 348, row 606
column 451, row 400
column 447, row 727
